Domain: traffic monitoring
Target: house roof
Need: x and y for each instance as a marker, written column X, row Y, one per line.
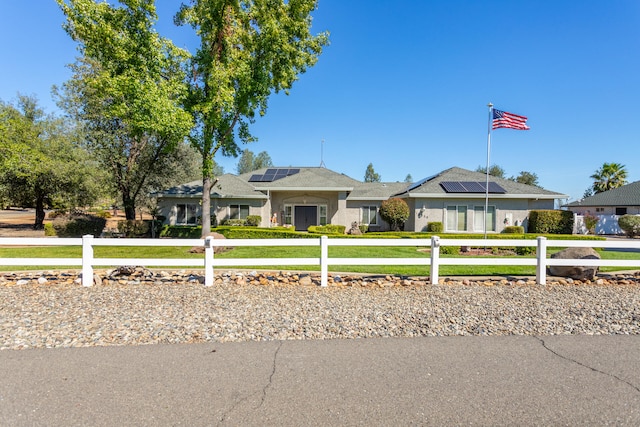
column 627, row 195
column 257, row 184
column 376, row 190
column 226, row 186
column 431, row 187
column 306, row 178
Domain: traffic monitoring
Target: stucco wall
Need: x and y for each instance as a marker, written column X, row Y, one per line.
column 508, row 212
column 220, row 209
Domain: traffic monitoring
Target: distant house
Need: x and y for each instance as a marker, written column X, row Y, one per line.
column 608, row 206
column 305, row 196
column 618, row 201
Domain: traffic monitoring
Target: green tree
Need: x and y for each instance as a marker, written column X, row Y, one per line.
column 127, row 89
column 248, row 50
column 42, row 164
column 529, row 178
column 370, row 175
column 610, row 175
column 249, row 162
column 494, row 170
column 408, row 178
column 394, row 212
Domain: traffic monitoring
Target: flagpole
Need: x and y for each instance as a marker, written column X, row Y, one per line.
column 486, row 189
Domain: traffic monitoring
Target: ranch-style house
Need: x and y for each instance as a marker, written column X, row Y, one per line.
column 304, row 196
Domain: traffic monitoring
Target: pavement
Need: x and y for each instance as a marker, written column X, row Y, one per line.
column 481, row 381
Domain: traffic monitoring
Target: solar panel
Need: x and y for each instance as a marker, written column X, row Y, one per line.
column 496, row 188
column 274, row 174
column 471, row 187
column 474, row 186
column 453, row 187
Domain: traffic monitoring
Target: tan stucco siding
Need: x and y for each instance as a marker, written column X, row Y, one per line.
column 507, row 212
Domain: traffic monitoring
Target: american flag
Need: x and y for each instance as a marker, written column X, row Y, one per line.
column 502, row 119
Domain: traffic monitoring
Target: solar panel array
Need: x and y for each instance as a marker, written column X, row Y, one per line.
column 274, row 174
column 471, row 187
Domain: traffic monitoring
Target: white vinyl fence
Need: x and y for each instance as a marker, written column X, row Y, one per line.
column 432, row 264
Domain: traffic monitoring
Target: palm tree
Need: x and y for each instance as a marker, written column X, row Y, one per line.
column 610, row 175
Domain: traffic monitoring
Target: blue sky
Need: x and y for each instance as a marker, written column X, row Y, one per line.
column 404, row 85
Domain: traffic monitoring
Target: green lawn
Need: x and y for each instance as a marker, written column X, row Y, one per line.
column 292, row 252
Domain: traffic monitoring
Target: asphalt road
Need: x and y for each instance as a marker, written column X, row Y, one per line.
column 481, row 381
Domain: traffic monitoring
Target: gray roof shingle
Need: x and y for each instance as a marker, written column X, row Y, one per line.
column 431, row 186
column 627, row 195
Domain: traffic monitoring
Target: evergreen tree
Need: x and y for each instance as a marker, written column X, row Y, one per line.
column 370, row 175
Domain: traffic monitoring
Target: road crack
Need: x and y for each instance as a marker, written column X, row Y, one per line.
column 622, row 380
column 224, row 416
column 273, row 372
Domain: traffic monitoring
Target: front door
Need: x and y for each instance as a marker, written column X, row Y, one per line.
column 305, row 216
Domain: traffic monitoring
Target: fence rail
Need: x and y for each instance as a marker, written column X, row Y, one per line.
column 88, row 260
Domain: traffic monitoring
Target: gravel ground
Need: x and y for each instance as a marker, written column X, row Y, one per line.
column 40, row 310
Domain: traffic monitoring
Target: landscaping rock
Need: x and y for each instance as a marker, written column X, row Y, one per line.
column 575, row 272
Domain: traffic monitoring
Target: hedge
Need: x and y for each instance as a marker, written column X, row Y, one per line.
column 551, row 222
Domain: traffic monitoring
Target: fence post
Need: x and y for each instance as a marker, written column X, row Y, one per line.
column 208, row 261
column 324, row 260
column 435, row 257
column 541, row 264
column 87, row 260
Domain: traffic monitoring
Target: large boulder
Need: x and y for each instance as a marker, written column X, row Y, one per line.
column 575, row 272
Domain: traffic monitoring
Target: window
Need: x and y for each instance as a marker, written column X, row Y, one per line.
column 456, row 218
column 599, row 210
column 323, row 214
column 621, row 211
column 370, row 215
column 186, row 214
column 287, row 215
column 238, row 211
column 478, row 218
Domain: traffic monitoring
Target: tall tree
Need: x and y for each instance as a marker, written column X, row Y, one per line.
column 127, row 88
column 370, row 175
column 249, row 162
column 408, row 178
column 529, row 178
column 248, row 50
column 41, row 162
column 494, row 170
column 610, row 175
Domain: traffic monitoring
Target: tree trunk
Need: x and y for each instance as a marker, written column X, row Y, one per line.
column 40, row 214
column 129, row 206
column 206, row 206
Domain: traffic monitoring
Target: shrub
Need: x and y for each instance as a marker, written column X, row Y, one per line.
column 253, row 220
column 590, row 222
column 181, row 231
column 435, row 227
column 630, row 224
column 551, row 222
column 140, row 228
column 78, row 225
column 263, row 233
column 513, row 229
column 49, row 231
column 449, row 250
column 394, row 212
column 327, row 229
column 363, row 228
column 234, row 222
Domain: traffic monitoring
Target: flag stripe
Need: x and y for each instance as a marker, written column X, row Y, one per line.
column 503, row 119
